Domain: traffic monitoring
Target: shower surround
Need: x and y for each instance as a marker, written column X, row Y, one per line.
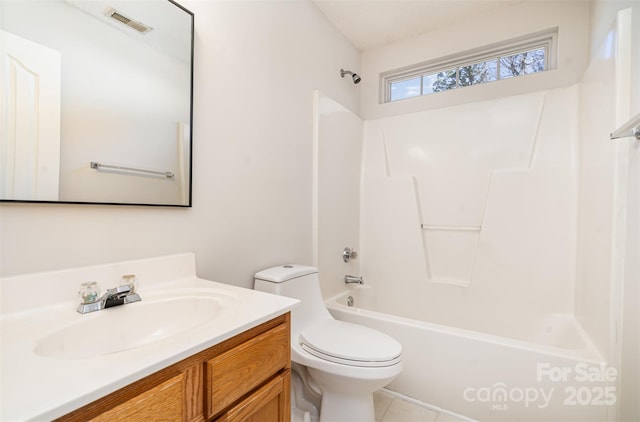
column 473, row 210
column 467, row 244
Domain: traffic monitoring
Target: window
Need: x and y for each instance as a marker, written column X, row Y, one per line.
column 523, row 56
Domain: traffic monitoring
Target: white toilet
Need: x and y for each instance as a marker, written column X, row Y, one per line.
column 347, row 361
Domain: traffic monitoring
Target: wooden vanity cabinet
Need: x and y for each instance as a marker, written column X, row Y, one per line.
column 268, row 403
column 245, row 378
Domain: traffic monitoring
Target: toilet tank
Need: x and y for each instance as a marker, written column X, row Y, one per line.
column 277, row 279
column 299, row 282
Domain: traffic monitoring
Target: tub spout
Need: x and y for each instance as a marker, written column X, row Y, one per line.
column 352, row 279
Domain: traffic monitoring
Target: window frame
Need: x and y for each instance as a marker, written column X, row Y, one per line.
column 546, row 39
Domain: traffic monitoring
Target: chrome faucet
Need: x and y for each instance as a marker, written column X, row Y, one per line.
column 352, row 279
column 120, row 295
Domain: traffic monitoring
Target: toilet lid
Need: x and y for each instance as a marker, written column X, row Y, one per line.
column 350, row 344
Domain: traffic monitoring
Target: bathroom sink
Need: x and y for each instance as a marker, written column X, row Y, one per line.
column 134, row 325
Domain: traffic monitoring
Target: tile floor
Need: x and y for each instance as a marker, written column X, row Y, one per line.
column 390, row 408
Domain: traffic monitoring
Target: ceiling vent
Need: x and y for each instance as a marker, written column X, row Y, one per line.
column 131, row 23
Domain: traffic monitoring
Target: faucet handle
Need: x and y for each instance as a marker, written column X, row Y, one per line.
column 349, row 254
column 129, row 280
column 89, row 292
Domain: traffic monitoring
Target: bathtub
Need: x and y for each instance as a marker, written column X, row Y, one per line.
column 548, row 372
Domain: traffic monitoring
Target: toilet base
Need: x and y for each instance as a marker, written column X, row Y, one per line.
column 305, row 400
column 342, row 407
column 347, row 399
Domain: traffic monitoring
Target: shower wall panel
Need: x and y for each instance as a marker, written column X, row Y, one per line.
column 337, row 157
column 473, row 208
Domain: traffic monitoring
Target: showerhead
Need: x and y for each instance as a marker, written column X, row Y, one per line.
column 356, row 78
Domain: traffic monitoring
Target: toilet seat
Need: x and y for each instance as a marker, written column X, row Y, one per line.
column 350, row 344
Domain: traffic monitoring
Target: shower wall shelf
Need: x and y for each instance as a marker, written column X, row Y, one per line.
column 453, row 263
column 629, row 129
column 98, row 166
column 451, row 228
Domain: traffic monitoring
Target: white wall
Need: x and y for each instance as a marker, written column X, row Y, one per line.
column 504, row 23
column 256, row 66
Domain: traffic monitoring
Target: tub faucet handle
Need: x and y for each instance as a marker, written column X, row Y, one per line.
column 352, row 279
column 348, row 254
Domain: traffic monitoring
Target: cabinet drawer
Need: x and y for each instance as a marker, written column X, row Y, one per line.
column 269, row 403
column 163, row 402
column 241, row 369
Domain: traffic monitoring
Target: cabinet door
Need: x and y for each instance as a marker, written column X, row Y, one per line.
column 161, row 403
column 269, row 403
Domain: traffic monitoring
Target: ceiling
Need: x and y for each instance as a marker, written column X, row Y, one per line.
column 372, row 23
column 171, row 26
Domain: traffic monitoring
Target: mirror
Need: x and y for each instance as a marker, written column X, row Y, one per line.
column 96, row 102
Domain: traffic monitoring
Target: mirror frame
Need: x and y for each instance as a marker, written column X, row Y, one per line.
column 190, row 199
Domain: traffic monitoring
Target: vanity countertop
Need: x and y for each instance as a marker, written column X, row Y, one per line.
column 37, row 387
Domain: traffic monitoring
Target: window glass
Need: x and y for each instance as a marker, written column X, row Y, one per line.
column 441, row 81
column 405, row 89
column 522, row 63
column 478, row 73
